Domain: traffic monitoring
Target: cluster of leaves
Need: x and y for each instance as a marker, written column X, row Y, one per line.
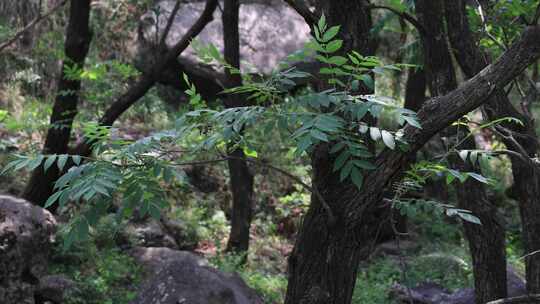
column 407, row 203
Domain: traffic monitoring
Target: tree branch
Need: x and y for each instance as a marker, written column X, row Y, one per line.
column 530, row 299
column 170, row 21
column 438, row 113
column 301, row 8
column 37, row 20
column 404, row 15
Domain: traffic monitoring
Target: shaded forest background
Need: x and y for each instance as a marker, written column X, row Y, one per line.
column 292, row 151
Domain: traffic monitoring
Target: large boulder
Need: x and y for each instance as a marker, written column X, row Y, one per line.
column 269, row 30
column 26, row 235
column 56, row 288
column 182, row 277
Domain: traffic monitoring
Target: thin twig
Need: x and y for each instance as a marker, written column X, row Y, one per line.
column 38, row 19
column 162, row 43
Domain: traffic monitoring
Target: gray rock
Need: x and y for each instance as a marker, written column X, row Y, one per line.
column 269, row 31
column 148, row 233
column 56, row 288
column 431, row 293
column 152, row 259
column 181, row 277
column 26, row 235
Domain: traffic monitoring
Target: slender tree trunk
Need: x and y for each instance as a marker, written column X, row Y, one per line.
column 241, row 179
column 486, row 241
column 78, row 37
column 526, row 180
column 415, row 95
column 415, row 91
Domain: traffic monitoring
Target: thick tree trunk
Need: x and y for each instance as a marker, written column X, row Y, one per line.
column 486, row 241
column 324, row 263
column 526, row 180
column 322, row 266
column 241, row 179
column 78, row 37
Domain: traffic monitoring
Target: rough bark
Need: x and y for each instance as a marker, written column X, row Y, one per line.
column 324, row 263
column 78, row 37
column 415, row 89
column 322, row 266
column 531, row 299
column 241, row 179
column 526, row 180
column 486, row 241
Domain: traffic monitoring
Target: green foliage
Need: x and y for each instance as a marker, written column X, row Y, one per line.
column 271, row 287
column 104, row 275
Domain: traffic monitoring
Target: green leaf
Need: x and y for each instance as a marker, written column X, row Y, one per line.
column 474, row 157
column 450, row 178
column 337, row 60
column 250, row 152
column 478, row 177
column 368, row 81
column 9, row 166
column 155, row 211
column 322, row 23
column 304, row 143
column 413, row 121
column 330, row 33
column 463, row 155
column 357, row 178
column 62, row 159
column 341, row 159
column 364, row 164
column 468, row 217
column 52, row 199
column 333, row 46
column 346, row 171
column 337, row 147
column 167, row 175
column 319, row 135
column 375, row 133
column 388, row 139
column 35, row 162
column 48, row 163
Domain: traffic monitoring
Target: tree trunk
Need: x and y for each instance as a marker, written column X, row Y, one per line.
column 78, row 37
column 526, row 180
column 486, row 241
column 323, row 264
column 241, row 179
column 415, row 90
